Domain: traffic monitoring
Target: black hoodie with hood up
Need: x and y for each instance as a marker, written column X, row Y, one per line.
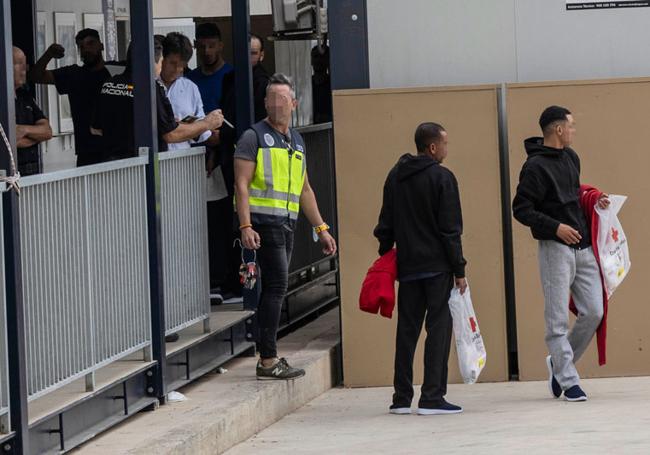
column 549, row 192
column 421, row 213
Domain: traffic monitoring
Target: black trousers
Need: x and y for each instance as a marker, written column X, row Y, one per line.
column 273, row 259
column 423, row 301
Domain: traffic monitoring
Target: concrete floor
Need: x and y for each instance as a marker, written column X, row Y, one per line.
column 224, row 409
column 503, row 418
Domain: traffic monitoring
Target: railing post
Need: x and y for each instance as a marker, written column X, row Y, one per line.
column 90, row 382
column 244, row 99
column 158, row 349
column 241, row 26
column 146, row 138
column 15, row 321
column 11, row 231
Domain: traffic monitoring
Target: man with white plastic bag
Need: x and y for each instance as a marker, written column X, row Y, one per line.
column 421, row 214
column 469, row 342
column 548, row 201
column 612, row 245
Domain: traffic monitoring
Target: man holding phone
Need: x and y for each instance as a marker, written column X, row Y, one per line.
column 113, row 117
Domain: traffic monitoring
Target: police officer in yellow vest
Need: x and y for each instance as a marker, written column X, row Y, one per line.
column 271, row 186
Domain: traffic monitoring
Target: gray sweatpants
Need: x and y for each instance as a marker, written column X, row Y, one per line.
column 567, row 272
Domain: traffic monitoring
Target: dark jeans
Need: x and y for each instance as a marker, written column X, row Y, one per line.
column 273, row 259
column 423, row 301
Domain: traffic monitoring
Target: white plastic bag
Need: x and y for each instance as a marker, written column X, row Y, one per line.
column 175, row 397
column 469, row 343
column 612, row 245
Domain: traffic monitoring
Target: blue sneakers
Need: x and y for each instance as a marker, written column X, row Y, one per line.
column 553, row 385
column 444, row 408
column 575, row 393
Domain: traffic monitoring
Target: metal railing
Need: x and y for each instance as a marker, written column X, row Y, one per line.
column 184, row 238
column 319, row 142
column 4, row 367
column 85, row 271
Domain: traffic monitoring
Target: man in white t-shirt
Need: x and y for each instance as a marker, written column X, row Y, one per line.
column 183, row 94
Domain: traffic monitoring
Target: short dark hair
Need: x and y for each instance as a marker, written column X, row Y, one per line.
column 258, row 38
column 85, row 33
column 207, row 30
column 426, row 134
column 282, row 79
column 177, row 43
column 551, row 116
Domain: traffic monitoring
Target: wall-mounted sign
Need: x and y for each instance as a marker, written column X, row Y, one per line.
column 582, row 5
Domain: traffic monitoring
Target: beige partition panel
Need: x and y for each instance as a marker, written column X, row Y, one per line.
column 613, row 138
column 372, row 129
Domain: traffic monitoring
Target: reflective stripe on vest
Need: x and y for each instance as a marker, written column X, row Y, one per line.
column 277, row 183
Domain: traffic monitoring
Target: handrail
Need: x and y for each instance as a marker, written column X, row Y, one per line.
column 83, row 171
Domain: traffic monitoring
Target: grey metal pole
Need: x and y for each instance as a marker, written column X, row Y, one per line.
column 11, row 227
column 348, row 38
column 508, row 249
column 241, row 26
column 146, row 136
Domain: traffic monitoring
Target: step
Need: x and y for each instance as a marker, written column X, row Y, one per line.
column 224, row 409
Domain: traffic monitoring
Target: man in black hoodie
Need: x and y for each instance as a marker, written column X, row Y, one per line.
column 548, row 201
column 421, row 213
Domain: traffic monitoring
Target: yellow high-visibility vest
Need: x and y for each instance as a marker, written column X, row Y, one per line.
column 275, row 190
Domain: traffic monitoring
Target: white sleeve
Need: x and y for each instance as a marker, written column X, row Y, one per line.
column 198, row 112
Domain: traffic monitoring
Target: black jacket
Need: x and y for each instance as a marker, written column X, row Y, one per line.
column 549, row 192
column 421, row 213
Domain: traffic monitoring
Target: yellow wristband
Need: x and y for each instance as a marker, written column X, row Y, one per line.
column 244, row 226
column 323, row 227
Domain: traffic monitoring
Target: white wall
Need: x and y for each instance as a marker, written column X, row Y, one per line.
column 438, row 42
column 204, row 8
column 554, row 44
column 448, row 42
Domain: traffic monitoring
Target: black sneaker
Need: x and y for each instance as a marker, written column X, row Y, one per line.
column 575, row 393
column 281, row 370
column 553, row 385
column 444, row 408
column 399, row 409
